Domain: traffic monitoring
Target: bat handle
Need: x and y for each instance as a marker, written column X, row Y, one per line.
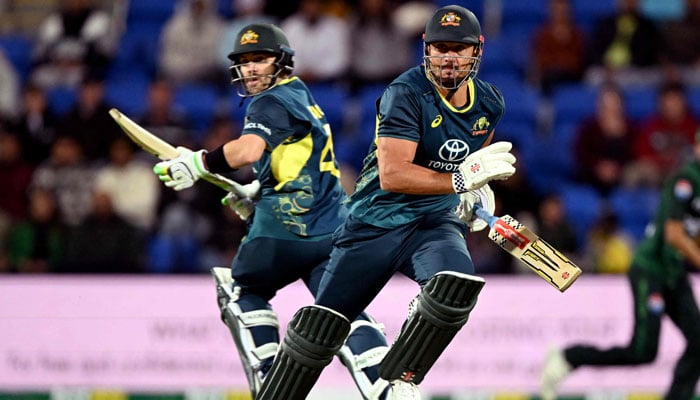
column 484, row 215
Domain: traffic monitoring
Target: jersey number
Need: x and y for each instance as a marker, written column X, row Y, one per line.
column 327, row 163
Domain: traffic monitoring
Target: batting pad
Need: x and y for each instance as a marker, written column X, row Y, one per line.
column 313, row 337
column 443, row 307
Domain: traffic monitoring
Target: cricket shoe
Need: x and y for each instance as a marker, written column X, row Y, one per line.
column 401, row 390
column 556, row 368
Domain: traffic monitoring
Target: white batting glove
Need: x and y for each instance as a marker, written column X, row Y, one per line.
column 484, row 196
column 183, row 171
column 492, row 162
column 243, row 206
column 251, row 190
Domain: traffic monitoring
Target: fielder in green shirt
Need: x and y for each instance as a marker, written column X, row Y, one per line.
column 660, row 285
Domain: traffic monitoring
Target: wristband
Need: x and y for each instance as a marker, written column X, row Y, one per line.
column 215, row 161
column 458, row 183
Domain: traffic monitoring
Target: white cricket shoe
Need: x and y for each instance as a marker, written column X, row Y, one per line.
column 401, row 390
column 556, row 368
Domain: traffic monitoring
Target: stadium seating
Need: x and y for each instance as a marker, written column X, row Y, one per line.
column 18, row 50
column 586, row 12
column 128, row 93
column 156, row 12
column 583, row 206
column 573, row 103
column 61, row 99
column 635, row 208
column 332, row 98
column 200, row 104
column 640, row 102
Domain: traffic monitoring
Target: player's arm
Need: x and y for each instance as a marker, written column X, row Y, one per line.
column 675, row 235
column 398, row 173
column 243, row 151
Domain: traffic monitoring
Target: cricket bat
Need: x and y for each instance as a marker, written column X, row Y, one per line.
column 165, row 151
column 529, row 248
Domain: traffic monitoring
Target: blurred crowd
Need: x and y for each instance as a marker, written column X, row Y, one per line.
column 602, row 103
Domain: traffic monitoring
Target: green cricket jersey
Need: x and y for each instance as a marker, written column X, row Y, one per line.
column 298, row 172
column 412, row 109
column 680, row 200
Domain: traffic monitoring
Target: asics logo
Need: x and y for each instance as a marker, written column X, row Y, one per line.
column 437, row 121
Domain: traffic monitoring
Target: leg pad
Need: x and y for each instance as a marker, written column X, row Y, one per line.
column 313, row 337
column 442, row 308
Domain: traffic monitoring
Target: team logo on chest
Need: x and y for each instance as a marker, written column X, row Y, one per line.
column 480, row 127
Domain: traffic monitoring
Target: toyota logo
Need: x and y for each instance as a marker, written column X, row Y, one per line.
column 454, row 150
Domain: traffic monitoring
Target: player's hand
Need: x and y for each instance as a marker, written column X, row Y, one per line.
column 492, row 162
column 245, row 205
column 183, row 171
column 484, row 196
column 251, row 190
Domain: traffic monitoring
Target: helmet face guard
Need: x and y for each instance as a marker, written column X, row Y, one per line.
column 452, row 24
column 433, row 66
column 283, row 66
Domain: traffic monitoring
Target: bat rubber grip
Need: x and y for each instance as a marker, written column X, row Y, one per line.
column 484, row 215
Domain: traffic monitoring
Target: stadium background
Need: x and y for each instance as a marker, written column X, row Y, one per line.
column 534, row 122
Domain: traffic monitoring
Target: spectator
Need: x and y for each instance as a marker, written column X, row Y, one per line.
column 321, row 43
column 554, row 227
column 682, row 37
column 9, row 88
column 245, row 12
column 77, row 40
column 103, row 242
column 89, row 121
column 35, row 124
column 189, row 44
column 608, row 249
column 666, row 137
column 602, row 145
column 69, row 178
column 281, row 9
column 162, row 118
column 559, row 48
column 516, row 195
column 374, row 35
column 624, row 44
column 35, row 244
column 15, row 175
column 131, row 185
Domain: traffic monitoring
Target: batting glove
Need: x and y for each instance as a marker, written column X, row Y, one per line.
column 243, row 206
column 484, row 196
column 183, row 171
column 492, row 162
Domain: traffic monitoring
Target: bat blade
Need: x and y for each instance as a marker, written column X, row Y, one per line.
column 525, row 245
column 145, row 139
column 165, row 151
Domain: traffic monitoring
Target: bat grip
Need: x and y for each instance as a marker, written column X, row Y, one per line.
column 484, row 215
